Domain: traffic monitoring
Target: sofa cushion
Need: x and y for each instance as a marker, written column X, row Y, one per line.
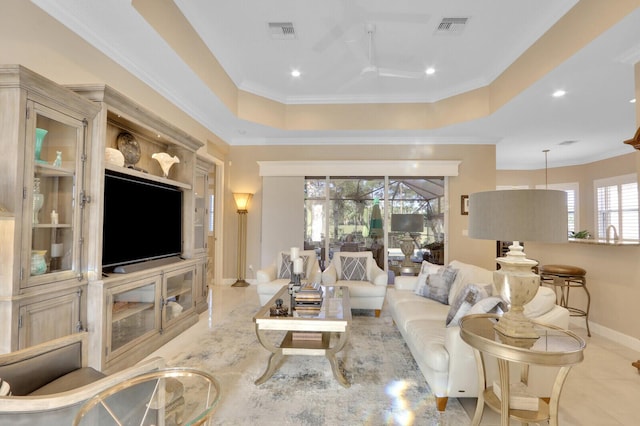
column 468, row 274
column 272, row 287
column 543, row 302
column 362, row 288
column 75, row 379
column 465, row 299
column 418, row 308
column 428, row 338
column 353, row 268
column 437, row 286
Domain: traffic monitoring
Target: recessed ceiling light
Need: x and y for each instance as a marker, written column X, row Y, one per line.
column 633, row 101
column 430, row 71
column 295, row 73
column 559, row 93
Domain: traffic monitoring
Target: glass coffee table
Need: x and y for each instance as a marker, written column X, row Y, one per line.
column 169, row 396
column 555, row 347
column 306, row 333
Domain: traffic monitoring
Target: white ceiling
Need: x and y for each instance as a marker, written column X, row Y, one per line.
column 330, row 49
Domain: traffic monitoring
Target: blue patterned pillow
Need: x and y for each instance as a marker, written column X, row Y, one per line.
column 353, row 268
column 437, row 286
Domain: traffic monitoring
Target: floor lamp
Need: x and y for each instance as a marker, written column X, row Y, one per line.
column 242, row 202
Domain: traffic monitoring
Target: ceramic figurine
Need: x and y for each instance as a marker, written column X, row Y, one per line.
column 166, row 161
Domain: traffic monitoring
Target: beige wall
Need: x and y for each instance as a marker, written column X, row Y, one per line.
column 613, row 272
column 30, row 37
column 476, row 173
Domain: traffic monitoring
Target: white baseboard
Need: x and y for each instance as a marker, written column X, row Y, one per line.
column 616, row 336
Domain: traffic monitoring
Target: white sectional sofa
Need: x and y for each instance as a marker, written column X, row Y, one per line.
column 448, row 363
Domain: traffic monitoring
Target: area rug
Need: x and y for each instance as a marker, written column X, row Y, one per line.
column 387, row 387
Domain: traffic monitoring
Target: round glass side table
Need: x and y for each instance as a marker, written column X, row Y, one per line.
column 170, row 396
column 554, row 347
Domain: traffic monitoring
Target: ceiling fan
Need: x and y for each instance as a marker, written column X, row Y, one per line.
column 372, row 68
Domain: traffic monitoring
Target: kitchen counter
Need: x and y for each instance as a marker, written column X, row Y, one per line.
column 603, row 242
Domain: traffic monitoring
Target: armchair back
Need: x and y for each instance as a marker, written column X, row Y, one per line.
column 311, row 266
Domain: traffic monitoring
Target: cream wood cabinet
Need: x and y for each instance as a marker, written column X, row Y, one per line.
column 135, row 313
column 201, row 230
column 139, row 299
column 45, row 137
column 60, row 176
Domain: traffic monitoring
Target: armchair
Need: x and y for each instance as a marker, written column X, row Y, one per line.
column 273, row 277
column 50, row 381
column 366, row 281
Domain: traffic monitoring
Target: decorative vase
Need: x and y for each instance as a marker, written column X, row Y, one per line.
column 38, row 200
column 38, row 262
column 58, row 160
column 40, row 134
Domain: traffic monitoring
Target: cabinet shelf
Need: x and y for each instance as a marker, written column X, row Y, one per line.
column 46, row 170
column 52, row 226
column 178, row 291
column 131, row 309
column 525, row 416
column 147, row 176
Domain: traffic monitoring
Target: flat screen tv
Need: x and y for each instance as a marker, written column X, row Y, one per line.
column 142, row 220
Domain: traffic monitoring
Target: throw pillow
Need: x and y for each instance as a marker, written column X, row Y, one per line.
column 286, row 267
column 437, row 285
column 5, row 389
column 489, row 305
column 468, row 296
column 353, row 268
column 426, row 269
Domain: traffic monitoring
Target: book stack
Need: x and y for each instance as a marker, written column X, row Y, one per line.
column 308, row 299
column 519, row 398
column 312, row 336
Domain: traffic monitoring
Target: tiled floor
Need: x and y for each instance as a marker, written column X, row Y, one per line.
column 604, row 390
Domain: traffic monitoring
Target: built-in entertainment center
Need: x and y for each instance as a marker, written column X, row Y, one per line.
column 152, row 269
column 96, row 234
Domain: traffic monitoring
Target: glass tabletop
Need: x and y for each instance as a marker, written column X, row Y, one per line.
column 334, row 306
column 554, row 346
column 170, row 396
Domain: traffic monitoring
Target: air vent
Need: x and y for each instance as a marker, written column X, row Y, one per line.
column 451, row 25
column 570, row 142
column 282, row 31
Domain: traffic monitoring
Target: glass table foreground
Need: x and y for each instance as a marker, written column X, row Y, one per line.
column 555, row 348
column 171, row 396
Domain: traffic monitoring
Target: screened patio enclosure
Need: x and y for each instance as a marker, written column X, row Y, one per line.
column 355, row 214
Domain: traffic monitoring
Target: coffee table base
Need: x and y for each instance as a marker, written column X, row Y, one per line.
column 289, row 346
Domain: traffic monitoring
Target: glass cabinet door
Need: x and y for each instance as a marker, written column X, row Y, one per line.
column 200, row 220
column 53, row 184
column 132, row 314
column 179, row 297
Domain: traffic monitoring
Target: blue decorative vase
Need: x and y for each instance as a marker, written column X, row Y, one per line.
column 38, row 262
column 40, row 134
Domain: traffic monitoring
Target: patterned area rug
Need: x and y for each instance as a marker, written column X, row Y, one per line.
column 387, row 387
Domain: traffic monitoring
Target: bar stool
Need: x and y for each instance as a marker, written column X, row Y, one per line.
column 563, row 278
